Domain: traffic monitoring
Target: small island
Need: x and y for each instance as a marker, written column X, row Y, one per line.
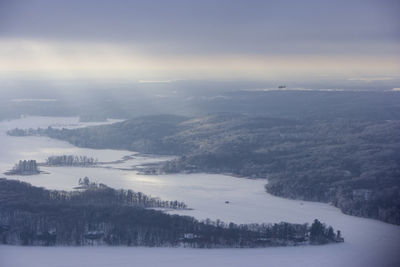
column 70, row 160
column 24, row 167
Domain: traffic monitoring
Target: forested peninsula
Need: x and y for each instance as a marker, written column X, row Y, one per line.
column 100, row 215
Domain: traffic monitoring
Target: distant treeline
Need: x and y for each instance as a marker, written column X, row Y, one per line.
column 354, row 164
column 36, row 216
column 373, row 101
column 24, row 167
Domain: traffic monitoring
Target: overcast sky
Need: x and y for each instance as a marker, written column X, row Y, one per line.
column 156, row 40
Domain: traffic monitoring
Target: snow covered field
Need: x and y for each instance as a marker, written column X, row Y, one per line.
column 367, row 242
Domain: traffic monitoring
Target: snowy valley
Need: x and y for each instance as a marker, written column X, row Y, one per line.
column 214, row 196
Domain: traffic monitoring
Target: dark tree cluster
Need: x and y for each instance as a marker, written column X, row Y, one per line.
column 24, row 167
column 36, row 216
column 71, row 160
column 321, row 234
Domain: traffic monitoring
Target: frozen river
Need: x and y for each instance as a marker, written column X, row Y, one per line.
column 367, row 242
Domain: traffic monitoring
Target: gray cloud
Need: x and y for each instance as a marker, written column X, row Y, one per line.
column 209, row 26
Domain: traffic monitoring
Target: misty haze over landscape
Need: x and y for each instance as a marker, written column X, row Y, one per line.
column 220, row 133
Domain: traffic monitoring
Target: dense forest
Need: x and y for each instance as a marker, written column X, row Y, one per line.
column 354, row 164
column 100, row 215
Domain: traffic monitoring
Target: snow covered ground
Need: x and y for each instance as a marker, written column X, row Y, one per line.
column 367, row 242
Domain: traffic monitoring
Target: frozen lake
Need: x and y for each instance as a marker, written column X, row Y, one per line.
column 367, row 242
